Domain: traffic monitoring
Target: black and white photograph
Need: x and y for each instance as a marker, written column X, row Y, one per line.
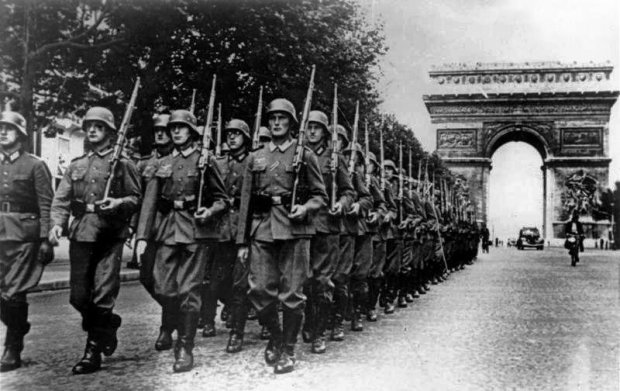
column 309, row 195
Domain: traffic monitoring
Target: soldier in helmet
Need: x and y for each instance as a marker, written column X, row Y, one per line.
column 278, row 229
column 355, row 249
column 97, row 233
column 182, row 231
column 264, row 135
column 228, row 279
column 146, row 167
column 324, row 246
column 25, row 199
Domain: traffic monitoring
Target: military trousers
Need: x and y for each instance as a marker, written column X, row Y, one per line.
column 394, row 248
column 378, row 258
column 362, row 262
column 95, row 280
column 179, row 272
column 20, row 269
column 278, row 272
column 324, row 253
column 407, row 256
column 219, row 271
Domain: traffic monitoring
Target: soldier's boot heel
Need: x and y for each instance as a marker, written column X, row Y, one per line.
column 91, row 361
column 164, row 340
column 185, row 343
column 265, row 335
column 338, row 330
column 11, row 357
column 209, row 330
column 286, row 362
column 357, row 324
column 185, row 359
column 15, row 316
column 169, row 321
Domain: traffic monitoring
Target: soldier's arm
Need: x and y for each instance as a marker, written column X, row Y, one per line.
column 60, row 210
column 148, row 210
column 316, row 186
column 378, row 199
column 132, row 187
column 215, row 186
column 364, row 198
column 243, row 222
column 345, row 186
column 45, row 194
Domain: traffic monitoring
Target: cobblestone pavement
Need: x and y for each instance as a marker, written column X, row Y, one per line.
column 522, row 320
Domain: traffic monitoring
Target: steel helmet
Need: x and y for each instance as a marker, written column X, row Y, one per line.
column 373, row 158
column 341, row 131
column 98, row 113
column 389, row 163
column 284, row 106
column 15, row 119
column 184, row 117
column 320, row 118
column 161, row 120
column 238, row 124
column 357, row 148
column 264, row 133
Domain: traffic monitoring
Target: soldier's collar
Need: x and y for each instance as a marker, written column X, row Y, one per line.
column 238, row 157
column 101, row 153
column 282, row 147
column 185, row 152
column 11, row 157
column 320, row 149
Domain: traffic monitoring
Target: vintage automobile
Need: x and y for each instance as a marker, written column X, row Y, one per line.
column 511, row 242
column 529, row 237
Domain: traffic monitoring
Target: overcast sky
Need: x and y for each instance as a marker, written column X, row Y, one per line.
column 421, row 33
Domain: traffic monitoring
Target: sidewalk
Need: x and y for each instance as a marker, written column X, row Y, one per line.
column 56, row 274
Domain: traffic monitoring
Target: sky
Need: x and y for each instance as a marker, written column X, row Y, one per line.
column 421, row 33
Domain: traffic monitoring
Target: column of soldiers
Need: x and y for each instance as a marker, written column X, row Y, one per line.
column 297, row 222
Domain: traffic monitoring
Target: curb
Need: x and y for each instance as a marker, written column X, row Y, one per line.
column 54, row 285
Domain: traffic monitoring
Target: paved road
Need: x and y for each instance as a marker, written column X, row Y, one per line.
column 514, row 320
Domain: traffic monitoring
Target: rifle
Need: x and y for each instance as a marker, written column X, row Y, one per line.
column 400, row 180
column 382, row 156
column 426, row 186
column 354, row 139
column 203, row 162
column 334, row 159
column 417, row 188
column 218, row 139
column 299, row 150
column 367, row 158
column 192, row 106
column 410, row 175
column 257, row 121
column 120, row 139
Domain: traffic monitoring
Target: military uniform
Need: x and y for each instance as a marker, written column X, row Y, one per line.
column 394, row 250
column 324, row 248
column 279, row 247
column 25, row 198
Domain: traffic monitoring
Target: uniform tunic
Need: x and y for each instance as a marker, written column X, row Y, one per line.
column 25, row 199
column 279, row 247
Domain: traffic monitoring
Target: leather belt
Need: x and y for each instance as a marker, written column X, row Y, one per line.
column 12, row 207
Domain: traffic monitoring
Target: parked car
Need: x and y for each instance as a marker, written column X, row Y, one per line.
column 530, row 237
column 511, row 242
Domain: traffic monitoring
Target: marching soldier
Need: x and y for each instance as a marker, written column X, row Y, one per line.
column 264, row 136
column 182, row 231
column 324, row 246
column 25, row 199
column 394, row 245
column 360, row 248
column 278, row 229
column 146, row 167
column 228, row 279
column 387, row 209
column 97, row 233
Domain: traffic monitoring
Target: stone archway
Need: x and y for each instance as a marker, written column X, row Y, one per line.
column 562, row 110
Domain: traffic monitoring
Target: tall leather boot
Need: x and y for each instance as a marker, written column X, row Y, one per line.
column 185, row 342
column 15, row 316
column 271, row 321
column 239, row 316
column 204, row 293
column 104, row 331
column 292, row 323
column 208, row 310
column 341, row 298
column 323, row 307
column 374, row 287
column 402, row 290
column 390, row 293
column 309, row 326
column 91, row 361
column 168, row 324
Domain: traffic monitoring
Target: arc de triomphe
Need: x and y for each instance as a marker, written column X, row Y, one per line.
column 560, row 109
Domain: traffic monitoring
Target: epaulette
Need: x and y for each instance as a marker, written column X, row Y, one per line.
column 258, row 148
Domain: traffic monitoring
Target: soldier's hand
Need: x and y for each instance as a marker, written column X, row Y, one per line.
column 242, row 255
column 373, row 217
column 355, row 209
column 54, row 235
column 109, row 204
column 140, row 247
column 298, row 212
column 337, row 209
column 46, row 252
column 202, row 215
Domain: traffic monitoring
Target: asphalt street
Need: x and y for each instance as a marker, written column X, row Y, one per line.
column 522, row 320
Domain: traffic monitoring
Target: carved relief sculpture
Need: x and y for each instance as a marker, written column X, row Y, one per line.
column 456, row 138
